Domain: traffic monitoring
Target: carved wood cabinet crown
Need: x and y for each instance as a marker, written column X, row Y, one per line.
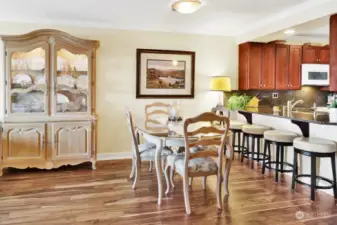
column 47, row 104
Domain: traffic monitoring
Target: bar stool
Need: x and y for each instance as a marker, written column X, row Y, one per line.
column 313, row 148
column 256, row 133
column 236, row 128
column 281, row 139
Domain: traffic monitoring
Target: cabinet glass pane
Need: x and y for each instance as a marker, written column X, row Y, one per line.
column 72, row 82
column 28, row 81
column 71, row 102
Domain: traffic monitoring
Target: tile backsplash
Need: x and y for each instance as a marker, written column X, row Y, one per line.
column 309, row 95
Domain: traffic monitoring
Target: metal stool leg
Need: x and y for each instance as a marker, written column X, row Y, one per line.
column 282, row 157
column 233, row 143
column 247, row 148
column 264, row 156
column 333, row 164
column 278, row 147
column 313, row 177
column 294, row 171
column 239, row 143
column 258, row 149
column 252, row 153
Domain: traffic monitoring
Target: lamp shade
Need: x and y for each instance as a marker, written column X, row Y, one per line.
column 221, row 84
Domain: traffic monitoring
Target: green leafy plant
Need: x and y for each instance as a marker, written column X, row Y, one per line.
column 238, row 102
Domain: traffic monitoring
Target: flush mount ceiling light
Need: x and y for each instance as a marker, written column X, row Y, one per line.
column 186, row 6
column 289, row 32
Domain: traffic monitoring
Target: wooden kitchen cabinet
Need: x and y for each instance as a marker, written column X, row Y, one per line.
column 288, row 67
column 250, row 66
column 324, row 55
column 256, row 66
column 270, row 66
column 282, row 65
column 295, row 67
column 267, row 77
column 315, row 54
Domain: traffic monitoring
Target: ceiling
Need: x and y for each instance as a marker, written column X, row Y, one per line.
column 217, row 17
column 314, row 31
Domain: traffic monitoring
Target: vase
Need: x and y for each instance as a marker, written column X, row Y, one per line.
column 333, row 115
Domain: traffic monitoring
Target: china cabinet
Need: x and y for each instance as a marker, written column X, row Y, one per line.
column 48, row 103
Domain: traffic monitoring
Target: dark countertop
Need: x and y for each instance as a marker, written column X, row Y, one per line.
column 321, row 118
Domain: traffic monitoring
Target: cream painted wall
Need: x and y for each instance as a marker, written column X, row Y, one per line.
column 116, row 73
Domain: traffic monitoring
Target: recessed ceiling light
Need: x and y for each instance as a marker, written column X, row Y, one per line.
column 289, row 31
column 186, row 6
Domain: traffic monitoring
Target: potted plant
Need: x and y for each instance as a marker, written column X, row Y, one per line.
column 236, row 102
column 333, row 111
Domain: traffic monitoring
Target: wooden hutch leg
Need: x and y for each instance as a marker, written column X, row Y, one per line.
column 93, row 165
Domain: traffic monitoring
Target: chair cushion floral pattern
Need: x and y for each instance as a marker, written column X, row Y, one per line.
column 195, row 165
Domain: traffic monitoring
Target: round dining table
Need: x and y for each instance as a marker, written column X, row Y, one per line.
column 161, row 137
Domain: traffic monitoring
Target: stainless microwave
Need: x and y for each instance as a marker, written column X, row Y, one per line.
column 315, row 74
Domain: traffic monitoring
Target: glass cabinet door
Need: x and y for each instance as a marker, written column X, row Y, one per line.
column 72, row 82
column 27, row 81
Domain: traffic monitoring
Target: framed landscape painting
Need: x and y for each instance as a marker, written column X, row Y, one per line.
column 165, row 74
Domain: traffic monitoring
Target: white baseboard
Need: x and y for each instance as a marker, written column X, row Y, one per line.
column 114, row 156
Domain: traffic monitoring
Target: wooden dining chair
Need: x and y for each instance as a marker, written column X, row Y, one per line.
column 153, row 110
column 141, row 152
column 201, row 163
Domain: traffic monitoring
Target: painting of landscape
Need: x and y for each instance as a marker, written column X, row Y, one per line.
column 165, row 74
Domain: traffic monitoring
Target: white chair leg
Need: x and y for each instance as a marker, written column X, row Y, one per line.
column 132, row 174
column 172, row 176
column 163, row 165
column 191, row 181
column 204, row 183
column 218, row 191
column 186, row 196
column 137, row 174
column 150, row 166
column 167, row 179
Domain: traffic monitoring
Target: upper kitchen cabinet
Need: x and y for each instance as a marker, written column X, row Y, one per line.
column 269, row 66
column 250, row 66
column 288, row 67
column 267, row 77
column 282, row 67
column 295, row 65
column 315, row 54
column 256, row 66
column 324, row 55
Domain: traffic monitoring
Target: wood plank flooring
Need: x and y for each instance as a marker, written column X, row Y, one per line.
column 78, row 195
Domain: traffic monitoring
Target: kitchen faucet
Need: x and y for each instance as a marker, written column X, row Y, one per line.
column 290, row 106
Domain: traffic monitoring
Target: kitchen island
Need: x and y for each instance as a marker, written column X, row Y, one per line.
column 298, row 121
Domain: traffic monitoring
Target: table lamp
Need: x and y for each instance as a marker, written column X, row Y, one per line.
column 223, row 84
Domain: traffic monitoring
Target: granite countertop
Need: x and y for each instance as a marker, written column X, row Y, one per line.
column 299, row 115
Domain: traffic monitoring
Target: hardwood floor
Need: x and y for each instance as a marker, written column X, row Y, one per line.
column 78, row 195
